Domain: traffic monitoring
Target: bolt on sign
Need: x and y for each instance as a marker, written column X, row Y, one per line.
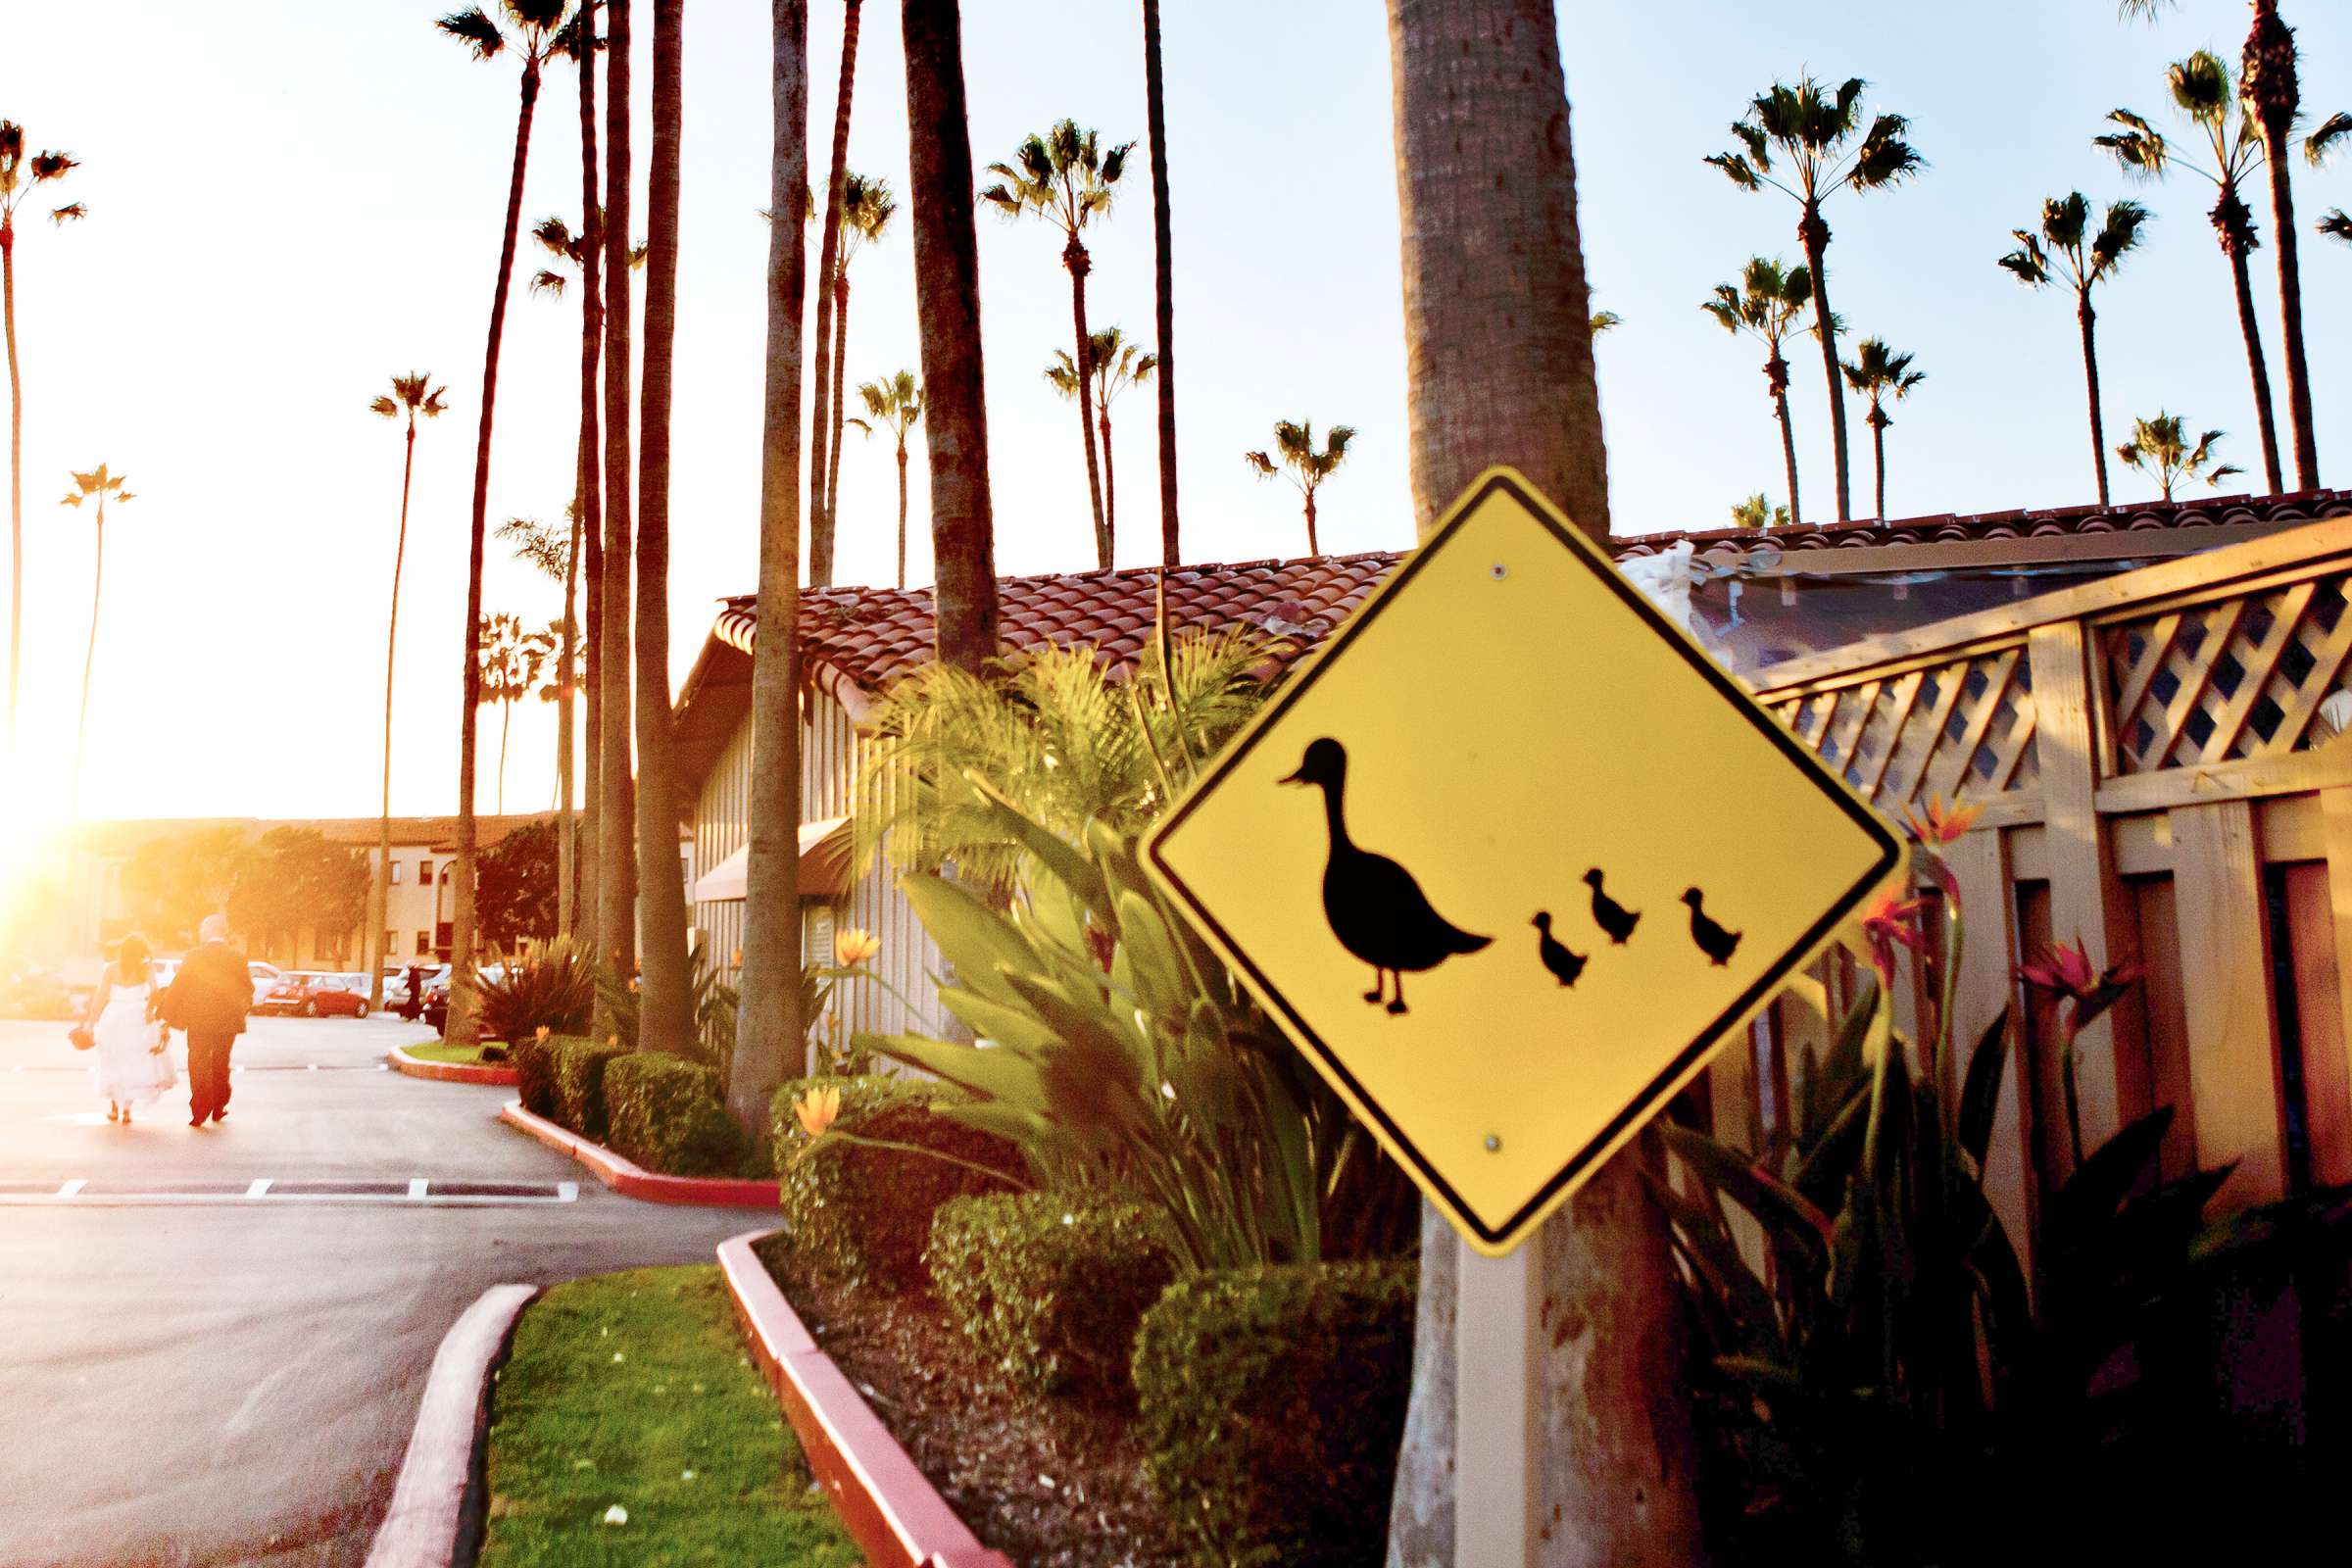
column 1511, row 857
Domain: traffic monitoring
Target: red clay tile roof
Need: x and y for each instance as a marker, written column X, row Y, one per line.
column 874, row 635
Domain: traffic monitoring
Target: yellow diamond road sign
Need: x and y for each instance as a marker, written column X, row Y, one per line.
column 1511, row 856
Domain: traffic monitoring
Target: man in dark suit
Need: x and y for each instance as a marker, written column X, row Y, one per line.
column 209, row 998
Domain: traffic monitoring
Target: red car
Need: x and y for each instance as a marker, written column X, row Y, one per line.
column 316, row 996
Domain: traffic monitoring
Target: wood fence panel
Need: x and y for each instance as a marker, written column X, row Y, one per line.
column 2310, row 944
column 1980, row 863
column 2336, row 830
column 2233, row 1052
column 2167, row 1013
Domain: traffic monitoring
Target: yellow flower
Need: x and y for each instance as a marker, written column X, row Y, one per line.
column 611, row 1040
column 854, row 945
column 817, row 1110
column 542, row 1031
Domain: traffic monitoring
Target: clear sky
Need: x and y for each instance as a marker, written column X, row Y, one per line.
column 288, row 204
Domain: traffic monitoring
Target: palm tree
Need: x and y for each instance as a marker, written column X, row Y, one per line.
column 537, row 25
column 946, row 296
column 411, row 396
column 866, row 209
column 2160, row 447
column 1607, row 321
column 1768, row 303
column 1754, row 513
column 559, row 678
column 1118, row 364
column 2066, row 251
column 99, row 486
column 588, row 484
column 896, row 403
column 1487, row 204
column 1066, row 180
column 615, row 830
column 18, row 180
column 770, row 1037
column 511, row 660
column 2205, row 95
column 2318, row 147
column 2267, row 78
column 1163, row 269
column 1300, row 463
column 1879, row 372
column 1813, row 129
column 665, row 1008
column 556, row 555
column 821, row 420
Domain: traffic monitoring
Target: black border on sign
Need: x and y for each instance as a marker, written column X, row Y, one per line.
column 1652, row 1095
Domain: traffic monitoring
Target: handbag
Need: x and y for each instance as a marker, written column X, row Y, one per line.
column 80, row 1037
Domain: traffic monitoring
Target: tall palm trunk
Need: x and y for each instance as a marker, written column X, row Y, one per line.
column 566, row 824
column 820, row 521
column 462, row 934
column 89, row 658
column 1111, row 477
column 1074, row 257
column 1312, row 547
column 947, row 298
column 2090, row 386
column 1878, row 457
column 615, row 828
column 1780, row 404
column 1776, row 379
column 15, row 472
column 2268, row 79
column 590, row 511
column 769, row 1032
column 902, row 507
column 2231, row 217
column 841, row 397
column 506, row 721
column 666, row 1009
column 1163, row 269
column 1499, row 352
column 1814, row 235
column 379, row 906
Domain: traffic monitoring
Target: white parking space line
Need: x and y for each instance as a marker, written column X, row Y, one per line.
column 417, row 1186
column 260, row 1189
column 72, row 1193
column 69, row 1189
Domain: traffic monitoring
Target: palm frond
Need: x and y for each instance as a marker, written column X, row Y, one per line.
column 69, row 213
column 385, row 406
column 2323, row 143
column 2337, row 222
column 476, row 30
column 50, row 165
column 545, row 281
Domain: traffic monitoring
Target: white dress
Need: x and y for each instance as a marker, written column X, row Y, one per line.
column 127, row 1068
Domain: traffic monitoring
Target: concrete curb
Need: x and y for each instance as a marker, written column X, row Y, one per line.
column 898, row 1519
column 451, row 1072
column 436, row 1516
column 632, row 1180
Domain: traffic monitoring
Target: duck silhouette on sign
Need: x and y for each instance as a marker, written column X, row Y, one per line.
column 1613, row 917
column 1375, row 907
column 1564, row 965
column 1713, row 940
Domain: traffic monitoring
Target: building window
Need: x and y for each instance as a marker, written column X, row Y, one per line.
column 424, row 943
column 391, row 942
column 396, row 873
column 424, row 873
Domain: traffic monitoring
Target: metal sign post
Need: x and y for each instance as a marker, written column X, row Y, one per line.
column 1498, row 1495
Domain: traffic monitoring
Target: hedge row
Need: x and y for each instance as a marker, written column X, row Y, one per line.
column 863, row 1214
column 660, row 1110
column 1050, row 1286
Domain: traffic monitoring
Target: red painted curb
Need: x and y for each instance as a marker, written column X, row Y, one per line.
column 436, row 1513
column 890, row 1506
column 451, row 1072
column 632, row 1180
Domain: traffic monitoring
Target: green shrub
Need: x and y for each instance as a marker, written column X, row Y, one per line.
column 1271, row 1405
column 534, row 1062
column 542, row 984
column 1049, row 1285
column 664, row 1114
column 580, row 1083
column 864, row 1213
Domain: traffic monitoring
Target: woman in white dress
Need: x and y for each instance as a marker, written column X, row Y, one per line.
column 133, row 1062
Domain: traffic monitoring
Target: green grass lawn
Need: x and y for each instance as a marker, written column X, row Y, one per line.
column 633, row 1393
column 435, row 1051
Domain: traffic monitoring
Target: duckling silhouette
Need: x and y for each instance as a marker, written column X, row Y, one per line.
column 1609, row 915
column 1375, row 907
column 1713, row 940
column 1564, row 965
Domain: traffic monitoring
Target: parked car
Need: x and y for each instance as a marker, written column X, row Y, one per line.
column 265, row 976
column 310, row 994
column 34, row 994
column 436, row 993
column 289, row 995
